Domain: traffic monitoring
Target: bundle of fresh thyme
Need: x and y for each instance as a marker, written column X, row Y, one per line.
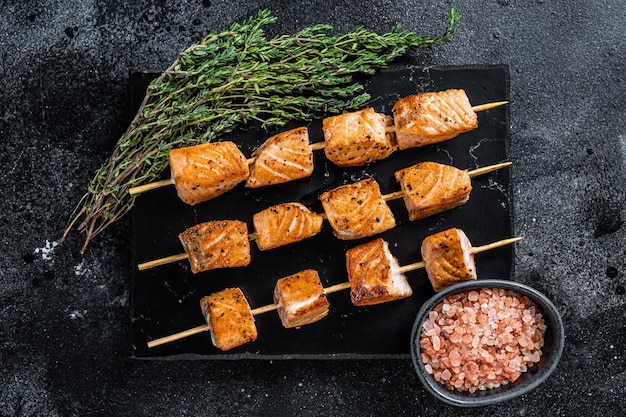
column 229, row 79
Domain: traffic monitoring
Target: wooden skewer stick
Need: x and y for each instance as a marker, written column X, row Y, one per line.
column 255, row 312
column 178, row 336
column 253, row 236
column 487, row 106
column 163, row 261
column 150, row 186
column 490, row 168
column 329, row 290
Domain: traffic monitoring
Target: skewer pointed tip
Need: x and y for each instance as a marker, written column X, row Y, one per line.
column 497, row 244
column 162, row 261
column 490, row 168
column 488, row 106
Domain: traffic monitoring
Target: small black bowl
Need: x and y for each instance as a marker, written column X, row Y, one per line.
column 554, row 339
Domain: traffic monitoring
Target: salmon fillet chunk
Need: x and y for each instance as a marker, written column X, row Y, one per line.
column 229, row 318
column 357, row 210
column 216, row 244
column 285, row 223
column 205, row 171
column 430, row 188
column 448, row 257
column 284, row 157
column 375, row 275
column 301, row 299
column 425, row 118
column 358, row 138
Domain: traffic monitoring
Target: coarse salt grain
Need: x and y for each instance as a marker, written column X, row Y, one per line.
column 483, row 340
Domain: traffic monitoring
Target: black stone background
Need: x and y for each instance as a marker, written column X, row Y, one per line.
column 64, row 318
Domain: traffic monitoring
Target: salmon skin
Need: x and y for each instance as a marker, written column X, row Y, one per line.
column 358, row 138
column 229, row 318
column 432, row 117
column 430, row 188
column 448, row 258
column 216, row 244
column 206, row 171
column 284, row 157
column 374, row 274
column 357, row 210
column 285, row 223
column 301, row 299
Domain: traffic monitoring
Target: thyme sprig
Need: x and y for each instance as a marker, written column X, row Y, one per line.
column 229, row 79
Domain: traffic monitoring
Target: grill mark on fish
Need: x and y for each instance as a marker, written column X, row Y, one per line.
column 285, row 223
column 284, row 162
column 284, row 157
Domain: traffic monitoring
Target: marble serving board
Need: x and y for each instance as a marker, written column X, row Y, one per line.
column 165, row 299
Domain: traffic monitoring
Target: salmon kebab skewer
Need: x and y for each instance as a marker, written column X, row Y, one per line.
column 300, row 299
column 354, row 211
column 225, row 243
column 285, row 223
column 205, row 171
column 359, row 209
column 374, row 278
column 363, row 137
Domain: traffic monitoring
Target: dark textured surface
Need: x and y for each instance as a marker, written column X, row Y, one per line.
column 64, row 318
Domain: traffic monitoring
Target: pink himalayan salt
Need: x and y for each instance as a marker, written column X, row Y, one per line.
column 483, row 339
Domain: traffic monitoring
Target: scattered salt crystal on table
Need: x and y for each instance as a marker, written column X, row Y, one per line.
column 47, row 250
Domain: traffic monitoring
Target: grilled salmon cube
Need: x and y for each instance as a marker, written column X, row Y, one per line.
column 430, row 188
column 358, row 138
column 285, row 223
column 357, row 210
column 375, row 275
column 216, row 244
column 301, row 299
column 205, row 171
column 432, row 117
column 284, row 157
column 448, row 257
column 229, row 318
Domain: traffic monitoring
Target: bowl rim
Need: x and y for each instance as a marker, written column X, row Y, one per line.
column 548, row 310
